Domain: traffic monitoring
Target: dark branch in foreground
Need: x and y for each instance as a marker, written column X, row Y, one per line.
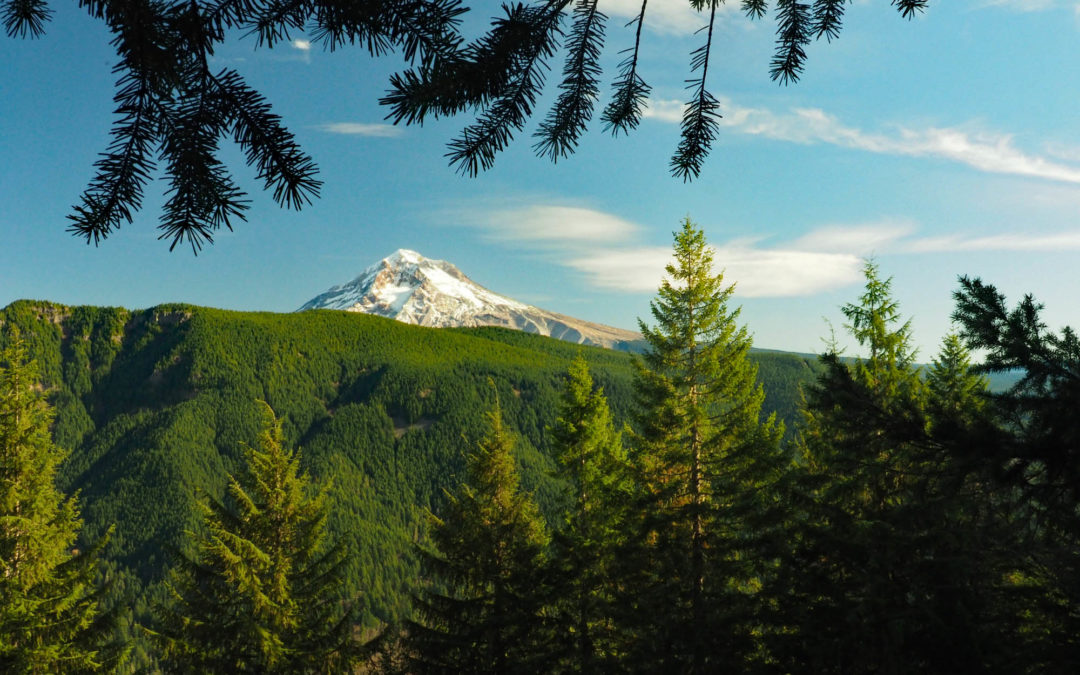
column 172, row 113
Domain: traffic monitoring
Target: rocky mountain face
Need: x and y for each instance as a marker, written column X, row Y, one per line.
column 413, row 289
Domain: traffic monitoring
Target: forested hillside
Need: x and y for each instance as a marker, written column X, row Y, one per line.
column 154, row 404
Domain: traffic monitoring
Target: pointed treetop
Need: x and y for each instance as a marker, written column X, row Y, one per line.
column 875, row 323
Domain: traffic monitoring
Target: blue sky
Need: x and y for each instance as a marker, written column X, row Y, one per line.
column 942, row 146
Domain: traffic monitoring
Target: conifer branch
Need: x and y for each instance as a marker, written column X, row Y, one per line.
column 909, row 8
column 624, row 111
column 271, row 23
column 164, row 89
column 169, row 103
column 231, row 13
column 558, row 135
column 117, row 188
column 25, row 18
column 476, row 147
column 340, row 22
column 425, row 30
column 500, row 71
column 202, row 196
column 268, row 145
column 793, row 27
column 469, row 78
column 755, row 9
column 828, row 18
column 701, row 117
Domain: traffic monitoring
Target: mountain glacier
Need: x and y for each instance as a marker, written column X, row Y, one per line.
column 413, row 289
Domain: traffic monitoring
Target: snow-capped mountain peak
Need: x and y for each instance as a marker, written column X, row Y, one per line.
column 413, row 289
column 405, row 255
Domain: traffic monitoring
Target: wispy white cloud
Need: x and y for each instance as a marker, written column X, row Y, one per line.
column 633, row 270
column 890, row 237
column 361, row 129
column 756, row 272
column 783, row 272
column 301, row 51
column 609, row 254
column 607, row 251
column 1028, row 5
column 227, row 60
column 1063, row 151
column 863, row 240
column 664, row 110
column 556, row 226
column 991, row 152
column 1058, row 241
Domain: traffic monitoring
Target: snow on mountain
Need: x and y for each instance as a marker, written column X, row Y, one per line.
column 413, row 289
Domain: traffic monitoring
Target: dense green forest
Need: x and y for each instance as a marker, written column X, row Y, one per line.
column 153, row 406
column 185, row 489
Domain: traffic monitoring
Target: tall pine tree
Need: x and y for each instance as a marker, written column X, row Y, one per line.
column 262, row 592
column 706, row 463
column 481, row 612
column 49, row 604
column 591, row 460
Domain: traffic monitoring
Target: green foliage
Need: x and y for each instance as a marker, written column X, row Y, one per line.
column 957, row 392
column 488, row 545
column 261, row 593
column 922, row 525
column 899, row 550
column 783, row 376
column 1036, row 455
column 155, row 403
column 706, row 464
column 591, row 461
column 49, row 603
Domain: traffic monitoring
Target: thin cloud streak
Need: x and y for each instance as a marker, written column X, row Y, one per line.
column 984, row 151
column 756, row 273
column 1026, row 5
column 605, row 249
column 361, row 129
column 1063, row 151
column 899, row 238
column 860, row 240
column 555, row 225
column 664, row 110
column 1061, row 241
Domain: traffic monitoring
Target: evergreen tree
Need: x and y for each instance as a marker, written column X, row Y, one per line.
column 49, row 604
column 1036, row 457
column 489, row 544
column 897, row 550
column 706, row 463
column 262, row 593
column 591, row 460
